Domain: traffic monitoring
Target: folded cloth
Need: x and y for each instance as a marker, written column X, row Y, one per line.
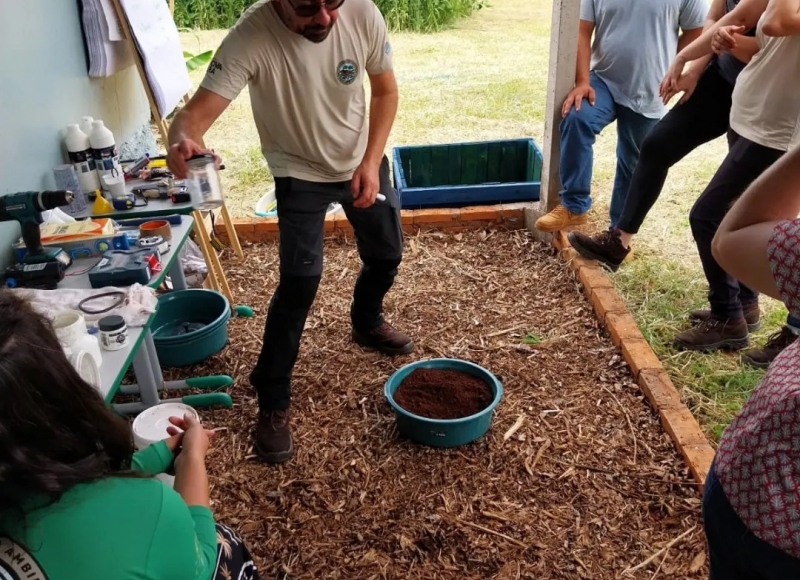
column 138, row 304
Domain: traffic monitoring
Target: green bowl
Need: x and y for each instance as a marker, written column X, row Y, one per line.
column 206, row 313
column 205, row 309
column 443, row 432
column 192, row 352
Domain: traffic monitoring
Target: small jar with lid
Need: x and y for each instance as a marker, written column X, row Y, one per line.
column 203, row 182
column 113, row 332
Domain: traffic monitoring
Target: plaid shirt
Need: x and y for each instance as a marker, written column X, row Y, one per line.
column 758, row 460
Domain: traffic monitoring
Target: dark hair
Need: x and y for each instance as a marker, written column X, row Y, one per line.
column 55, row 429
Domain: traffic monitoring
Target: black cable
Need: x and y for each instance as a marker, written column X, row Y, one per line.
column 120, row 299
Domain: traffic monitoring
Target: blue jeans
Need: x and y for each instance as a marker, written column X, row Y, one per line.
column 734, row 552
column 579, row 130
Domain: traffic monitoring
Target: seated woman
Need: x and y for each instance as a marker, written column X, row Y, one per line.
column 76, row 502
column 751, row 503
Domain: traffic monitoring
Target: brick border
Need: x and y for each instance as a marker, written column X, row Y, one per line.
column 647, row 370
column 510, row 215
column 609, row 307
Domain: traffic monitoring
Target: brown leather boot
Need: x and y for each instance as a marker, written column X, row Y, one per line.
column 715, row 334
column 273, row 437
column 559, row 219
column 386, row 339
column 761, row 358
column 605, row 247
column 752, row 315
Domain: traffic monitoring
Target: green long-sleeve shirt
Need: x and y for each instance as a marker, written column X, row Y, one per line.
column 115, row 529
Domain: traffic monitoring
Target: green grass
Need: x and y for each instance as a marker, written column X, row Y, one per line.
column 415, row 15
column 660, row 292
column 485, row 78
column 209, row 14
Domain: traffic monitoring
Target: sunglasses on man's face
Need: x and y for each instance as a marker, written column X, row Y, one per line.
column 306, row 10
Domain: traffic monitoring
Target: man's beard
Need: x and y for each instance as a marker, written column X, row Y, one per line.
column 317, row 33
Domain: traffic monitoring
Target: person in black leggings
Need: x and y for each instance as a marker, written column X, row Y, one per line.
column 701, row 116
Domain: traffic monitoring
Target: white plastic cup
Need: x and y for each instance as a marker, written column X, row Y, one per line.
column 70, row 329
column 115, row 185
column 150, row 426
column 86, row 366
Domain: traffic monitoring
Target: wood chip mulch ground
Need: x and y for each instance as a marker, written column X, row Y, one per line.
column 575, row 479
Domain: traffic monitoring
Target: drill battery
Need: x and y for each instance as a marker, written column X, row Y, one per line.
column 42, row 276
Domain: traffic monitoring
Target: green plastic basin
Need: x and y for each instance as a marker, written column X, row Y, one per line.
column 443, row 432
column 190, row 326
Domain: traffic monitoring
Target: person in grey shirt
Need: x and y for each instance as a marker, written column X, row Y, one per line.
column 617, row 78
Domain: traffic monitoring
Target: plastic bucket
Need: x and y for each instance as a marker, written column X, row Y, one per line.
column 443, row 432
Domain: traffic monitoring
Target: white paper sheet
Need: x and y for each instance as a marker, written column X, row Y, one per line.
column 160, row 46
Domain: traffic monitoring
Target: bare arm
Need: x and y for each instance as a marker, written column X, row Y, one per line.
column 191, row 481
column 715, row 12
column 382, row 112
column 584, row 52
column 740, row 244
column 689, row 36
column 746, row 14
column 746, row 48
column 782, row 18
column 188, row 127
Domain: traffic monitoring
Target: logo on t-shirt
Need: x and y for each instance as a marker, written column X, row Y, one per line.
column 347, row 71
column 214, row 66
column 387, row 48
column 18, row 564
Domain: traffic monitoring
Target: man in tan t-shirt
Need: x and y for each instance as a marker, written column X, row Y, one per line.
column 305, row 63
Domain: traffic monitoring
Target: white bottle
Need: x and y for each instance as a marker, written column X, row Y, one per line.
column 105, row 153
column 79, row 151
column 86, row 125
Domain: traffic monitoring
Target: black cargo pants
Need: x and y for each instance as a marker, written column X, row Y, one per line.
column 302, row 206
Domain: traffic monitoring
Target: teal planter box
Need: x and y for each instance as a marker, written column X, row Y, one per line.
column 443, row 432
column 463, row 174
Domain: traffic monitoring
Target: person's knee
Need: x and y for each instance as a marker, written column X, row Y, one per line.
column 703, row 228
column 383, row 266
column 578, row 121
column 658, row 147
column 297, row 292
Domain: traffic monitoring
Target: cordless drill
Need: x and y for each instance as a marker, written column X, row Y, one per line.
column 42, row 268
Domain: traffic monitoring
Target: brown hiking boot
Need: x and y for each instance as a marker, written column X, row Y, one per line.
column 714, row 334
column 752, row 315
column 605, row 247
column 273, row 438
column 762, row 357
column 560, row 218
column 386, row 339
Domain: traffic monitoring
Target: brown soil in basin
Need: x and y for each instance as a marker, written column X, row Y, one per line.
column 443, row 394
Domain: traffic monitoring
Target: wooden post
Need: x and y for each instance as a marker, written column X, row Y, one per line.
column 560, row 81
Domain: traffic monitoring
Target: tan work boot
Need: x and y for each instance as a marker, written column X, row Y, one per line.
column 559, row 219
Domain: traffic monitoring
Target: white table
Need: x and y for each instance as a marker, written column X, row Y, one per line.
column 141, row 349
